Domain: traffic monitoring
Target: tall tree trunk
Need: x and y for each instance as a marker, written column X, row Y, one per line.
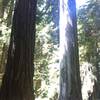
column 70, row 84
column 3, row 58
column 96, row 90
column 17, row 81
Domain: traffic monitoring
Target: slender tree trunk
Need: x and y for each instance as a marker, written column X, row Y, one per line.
column 96, row 90
column 3, row 58
column 17, row 81
column 70, row 84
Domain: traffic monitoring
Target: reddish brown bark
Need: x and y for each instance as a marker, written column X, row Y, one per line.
column 17, row 82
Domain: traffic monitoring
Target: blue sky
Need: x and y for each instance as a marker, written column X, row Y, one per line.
column 80, row 3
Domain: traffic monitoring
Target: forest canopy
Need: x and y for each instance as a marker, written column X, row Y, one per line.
column 40, row 35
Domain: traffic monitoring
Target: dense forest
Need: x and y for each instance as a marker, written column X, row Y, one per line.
column 49, row 50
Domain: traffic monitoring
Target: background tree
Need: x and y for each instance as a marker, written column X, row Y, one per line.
column 70, row 84
column 46, row 58
column 17, row 81
column 6, row 8
column 89, row 43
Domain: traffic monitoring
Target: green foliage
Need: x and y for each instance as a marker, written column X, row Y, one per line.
column 88, row 26
column 44, row 50
column 89, row 46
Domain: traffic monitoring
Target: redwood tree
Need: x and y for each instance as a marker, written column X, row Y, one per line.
column 70, row 84
column 17, row 81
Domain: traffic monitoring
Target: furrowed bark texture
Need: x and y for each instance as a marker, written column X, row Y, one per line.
column 18, row 78
column 70, row 84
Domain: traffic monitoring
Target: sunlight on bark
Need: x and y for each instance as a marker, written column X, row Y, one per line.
column 69, row 66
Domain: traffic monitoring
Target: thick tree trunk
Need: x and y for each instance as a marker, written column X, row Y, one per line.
column 18, row 78
column 70, row 84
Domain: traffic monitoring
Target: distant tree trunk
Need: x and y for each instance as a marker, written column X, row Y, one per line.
column 3, row 58
column 17, row 81
column 96, row 90
column 70, row 84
